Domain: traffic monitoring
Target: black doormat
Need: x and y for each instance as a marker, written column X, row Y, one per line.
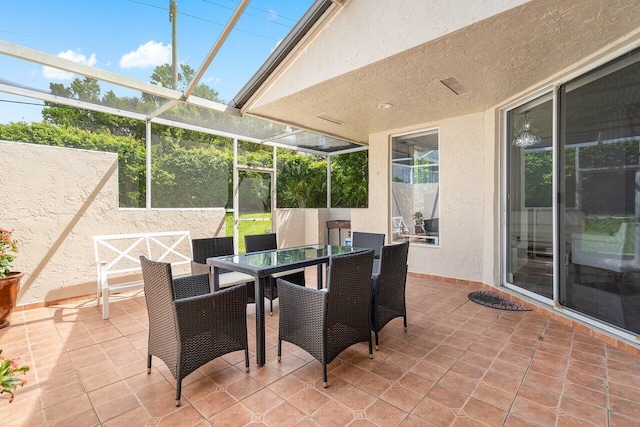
column 490, row 299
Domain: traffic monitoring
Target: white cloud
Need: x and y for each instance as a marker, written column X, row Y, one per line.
column 149, row 54
column 211, row 80
column 55, row 74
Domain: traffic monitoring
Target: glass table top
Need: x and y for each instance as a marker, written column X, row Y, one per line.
column 280, row 257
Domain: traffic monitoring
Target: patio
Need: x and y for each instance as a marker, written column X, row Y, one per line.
column 459, row 364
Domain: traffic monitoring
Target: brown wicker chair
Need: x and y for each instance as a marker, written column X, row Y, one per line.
column 326, row 322
column 373, row 241
column 218, row 246
column 388, row 299
column 264, row 242
column 188, row 325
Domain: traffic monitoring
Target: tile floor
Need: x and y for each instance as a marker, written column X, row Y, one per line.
column 459, row 364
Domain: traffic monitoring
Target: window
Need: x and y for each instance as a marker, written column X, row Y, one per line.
column 415, row 190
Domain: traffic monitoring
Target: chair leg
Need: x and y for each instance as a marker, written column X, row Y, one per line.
column 324, row 376
column 271, row 296
column 148, row 364
column 405, row 322
column 246, row 358
column 370, row 347
column 178, row 390
column 279, row 348
column 377, row 344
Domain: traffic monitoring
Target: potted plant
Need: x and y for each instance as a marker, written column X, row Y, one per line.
column 8, row 379
column 418, row 220
column 9, row 280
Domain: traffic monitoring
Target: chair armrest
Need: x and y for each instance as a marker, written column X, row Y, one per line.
column 302, row 317
column 190, row 286
column 221, row 310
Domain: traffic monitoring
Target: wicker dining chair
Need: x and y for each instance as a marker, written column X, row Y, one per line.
column 373, row 241
column 188, row 325
column 326, row 322
column 388, row 299
column 210, row 247
column 264, row 242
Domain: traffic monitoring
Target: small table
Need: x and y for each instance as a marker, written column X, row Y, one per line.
column 265, row 263
column 340, row 224
column 434, row 240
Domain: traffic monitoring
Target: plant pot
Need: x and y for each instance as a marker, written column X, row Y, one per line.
column 418, row 229
column 9, row 288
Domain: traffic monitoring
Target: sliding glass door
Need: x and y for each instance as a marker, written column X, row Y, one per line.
column 599, row 209
column 529, row 197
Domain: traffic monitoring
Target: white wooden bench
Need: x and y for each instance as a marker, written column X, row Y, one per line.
column 118, row 259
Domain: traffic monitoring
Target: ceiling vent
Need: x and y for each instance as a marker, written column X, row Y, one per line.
column 455, row 86
column 330, row 119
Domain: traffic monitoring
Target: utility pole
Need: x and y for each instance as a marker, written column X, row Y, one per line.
column 173, row 18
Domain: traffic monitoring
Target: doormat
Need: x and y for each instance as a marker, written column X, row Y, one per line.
column 490, row 299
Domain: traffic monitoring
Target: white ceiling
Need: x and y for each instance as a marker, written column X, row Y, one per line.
column 495, row 59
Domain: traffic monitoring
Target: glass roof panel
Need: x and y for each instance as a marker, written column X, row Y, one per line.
column 315, row 142
column 247, row 126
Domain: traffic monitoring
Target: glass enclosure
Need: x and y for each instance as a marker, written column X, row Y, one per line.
column 415, row 189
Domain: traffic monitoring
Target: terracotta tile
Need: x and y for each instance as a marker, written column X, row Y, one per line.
column 458, row 383
column 434, row 413
column 384, row 414
column 484, row 412
column 262, row 401
column 586, row 395
column 235, row 415
column 348, row 372
column 354, row 398
column 583, row 411
column 137, row 417
column 67, row 408
column 243, row 388
column 373, row 384
column 402, row 398
column 617, row 420
column 416, row 383
column 117, row 406
column 284, row 414
column 388, row 371
column 287, row 386
column 429, row 371
column 515, row 421
column 308, row 400
column 493, row 396
column 414, row 421
column 85, row 418
column 333, row 414
column 587, row 381
column 158, row 398
column 624, row 407
column 213, row 403
column 528, row 410
column 542, row 396
column 447, row 397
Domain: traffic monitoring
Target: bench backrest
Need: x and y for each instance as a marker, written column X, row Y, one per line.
column 119, row 254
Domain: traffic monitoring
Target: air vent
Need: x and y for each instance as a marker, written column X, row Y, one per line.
column 455, row 86
column 330, row 119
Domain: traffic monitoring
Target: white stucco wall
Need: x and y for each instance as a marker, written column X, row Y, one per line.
column 357, row 24
column 56, row 199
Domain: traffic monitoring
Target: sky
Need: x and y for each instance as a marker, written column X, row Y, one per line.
column 131, row 37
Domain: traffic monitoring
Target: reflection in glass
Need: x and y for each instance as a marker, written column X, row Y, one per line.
column 600, row 203
column 530, row 197
column 415, row 188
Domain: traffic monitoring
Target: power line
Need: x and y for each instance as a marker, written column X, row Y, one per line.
column 261, row 10
column 204, row 20
column 10, row 101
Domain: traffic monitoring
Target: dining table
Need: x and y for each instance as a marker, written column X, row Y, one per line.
column 263, row 264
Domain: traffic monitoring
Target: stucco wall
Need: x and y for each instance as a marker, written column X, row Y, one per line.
column 56, row 199
column 331, row 54
column 466, row 192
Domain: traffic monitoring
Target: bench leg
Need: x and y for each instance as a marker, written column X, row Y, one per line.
column 105, row 303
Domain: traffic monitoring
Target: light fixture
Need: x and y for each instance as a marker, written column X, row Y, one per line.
column 524, row 138
column 385, row 105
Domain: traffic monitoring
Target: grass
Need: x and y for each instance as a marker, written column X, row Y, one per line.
column 247, row 227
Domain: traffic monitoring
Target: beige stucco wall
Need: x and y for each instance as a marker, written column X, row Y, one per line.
column 467, row 192
column 331, row 54
column 56, row 199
